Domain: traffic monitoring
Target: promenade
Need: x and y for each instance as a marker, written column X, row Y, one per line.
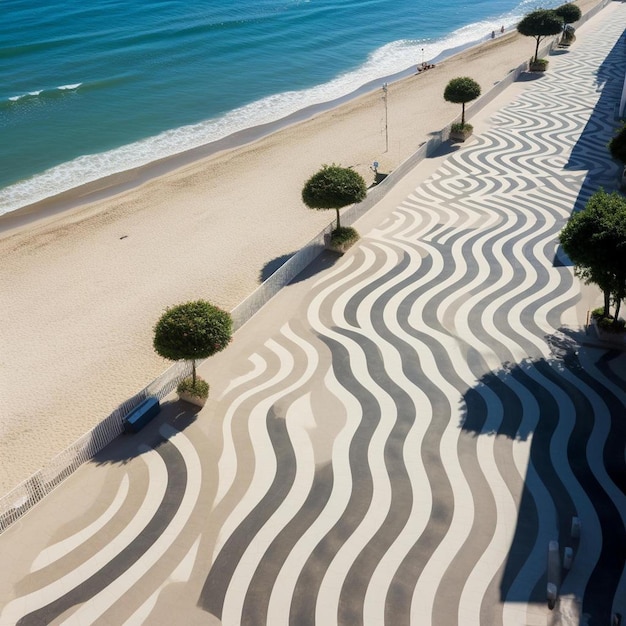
column 398, row 435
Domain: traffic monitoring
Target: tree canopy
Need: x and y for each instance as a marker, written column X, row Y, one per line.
column 569, row 13
column 595, row 240
column 461, row 90
column 540, row 24
column 334, row 187
column 190, row 331
column 617, row 145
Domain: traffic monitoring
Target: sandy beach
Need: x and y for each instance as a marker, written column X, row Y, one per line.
column 84, row 282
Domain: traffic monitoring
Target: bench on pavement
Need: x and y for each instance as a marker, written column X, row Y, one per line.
column 141, row 415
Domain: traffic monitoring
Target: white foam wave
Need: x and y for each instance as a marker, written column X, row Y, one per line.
column 388, row 60
column 38, row 92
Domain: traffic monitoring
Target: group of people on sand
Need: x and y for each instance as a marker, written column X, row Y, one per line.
column 422, row 67
column 425, row 66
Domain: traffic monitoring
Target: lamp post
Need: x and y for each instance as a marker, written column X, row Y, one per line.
column 386, row 118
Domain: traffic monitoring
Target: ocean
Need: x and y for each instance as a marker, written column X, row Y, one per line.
column 93, row 88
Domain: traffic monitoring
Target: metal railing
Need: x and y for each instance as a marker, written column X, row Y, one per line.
column 23, row 497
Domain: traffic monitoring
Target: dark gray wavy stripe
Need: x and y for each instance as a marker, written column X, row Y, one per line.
column 309, row 580
column 352, row 597
column 216, row 585
column 176, row 485
column 600, row 590
column 257, row 598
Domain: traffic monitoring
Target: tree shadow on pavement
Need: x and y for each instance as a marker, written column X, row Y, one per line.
column 560, row 407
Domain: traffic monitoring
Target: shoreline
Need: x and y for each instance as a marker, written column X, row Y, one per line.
column 88, row 283
column 126, row 180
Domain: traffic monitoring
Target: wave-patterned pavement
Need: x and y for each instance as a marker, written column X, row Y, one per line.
column 404, row 449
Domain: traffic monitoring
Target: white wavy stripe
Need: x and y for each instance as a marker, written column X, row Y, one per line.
column 461, row 317
column 331, row 586
column 460, row 271
column 529, row 278
column 541, row 314
column 431, row 210
column 503, row 530
column 462, row 495
column 298, row 416
column 400, row 220
column 228, row 463
column 332, row 583
column 262, row 450
column 342, row 483
column 110, row 595
column 588, row 552
column 259, row 365
column 299, row 419
column 463, row 371
column 180, row 575
column 460, row 525
column 455, row 212
column 534, row 566
column 597, row 441
column 284, row 586
column 511, row 148
column 421, row 506
column 60, row 549
column 155, row 491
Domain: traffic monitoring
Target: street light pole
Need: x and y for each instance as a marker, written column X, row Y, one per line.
column 386, row 118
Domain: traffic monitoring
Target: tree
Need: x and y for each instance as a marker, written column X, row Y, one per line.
column 461, row 90
column 595, row 240
column 617, row 145
column 191, row 331
column 569, row 13
column 540, row 24
column 334, row 187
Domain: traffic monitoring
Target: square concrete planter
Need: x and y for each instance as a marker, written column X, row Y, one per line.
column 187, row 397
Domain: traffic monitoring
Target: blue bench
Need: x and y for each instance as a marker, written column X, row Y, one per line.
column 141, row 415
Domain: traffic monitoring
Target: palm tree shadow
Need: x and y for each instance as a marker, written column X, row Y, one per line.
column 546, row 405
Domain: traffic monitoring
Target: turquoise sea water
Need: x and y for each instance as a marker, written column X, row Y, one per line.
column 93, row 88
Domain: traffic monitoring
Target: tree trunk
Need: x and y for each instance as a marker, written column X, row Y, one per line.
column 537, row 49
column 463, row 114
column 193, row 372
column 618, row 304
column 338, row 222
column 607, row 303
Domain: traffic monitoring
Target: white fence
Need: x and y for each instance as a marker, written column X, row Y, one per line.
column 18, row 501
column 24, row 496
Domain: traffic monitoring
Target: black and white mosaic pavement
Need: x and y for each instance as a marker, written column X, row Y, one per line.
column 406, row 447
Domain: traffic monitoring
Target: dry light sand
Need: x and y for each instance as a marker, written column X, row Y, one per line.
column 82, row 288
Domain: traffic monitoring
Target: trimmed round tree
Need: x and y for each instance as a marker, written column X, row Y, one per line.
column 595, row 240
column 569, row 13
column 540, row 24
column 334, row 187
column 191, row 331
column 461, row 90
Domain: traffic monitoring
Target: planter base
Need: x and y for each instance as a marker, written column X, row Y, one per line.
column 187, row 397
column 340, row 248
column 460, row 135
